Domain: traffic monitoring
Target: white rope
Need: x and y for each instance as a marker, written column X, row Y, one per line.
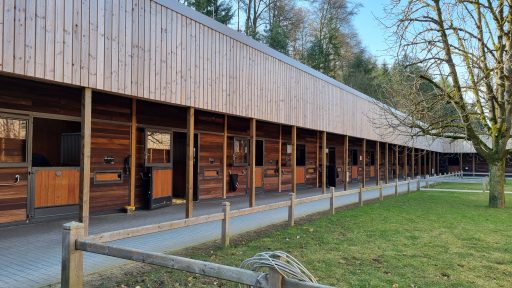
column 281, row 261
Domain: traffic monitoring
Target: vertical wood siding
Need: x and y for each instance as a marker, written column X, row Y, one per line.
column 144, row 49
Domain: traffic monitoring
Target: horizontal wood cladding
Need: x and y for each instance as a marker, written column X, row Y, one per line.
column 271, row 159
column 109, row 140
column 32, row 96
column 210, row 165
column 13, row 197
column 209, row 122
column 155, row 114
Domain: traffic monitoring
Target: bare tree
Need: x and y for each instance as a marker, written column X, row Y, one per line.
column 463, row 51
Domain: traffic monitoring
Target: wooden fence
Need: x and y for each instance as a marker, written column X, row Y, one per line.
column 75, row 241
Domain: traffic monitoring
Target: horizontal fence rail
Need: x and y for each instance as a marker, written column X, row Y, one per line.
column 75, row 242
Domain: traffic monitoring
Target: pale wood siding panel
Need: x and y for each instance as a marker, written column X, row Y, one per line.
column 142, row 48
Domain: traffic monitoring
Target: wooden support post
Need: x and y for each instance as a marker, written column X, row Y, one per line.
column 430, row 163
column 133, row 156
column 386, row 160
column 294, row 159
column 332, row 207
column 252, row 152
column 364, row 163
column 396, row 186
column 279, row 177
column 397, row 168
column 324, row 161
column 406, row 168
column 226, row 209
column 473, row 165
column 317, row 159
column 360, row 195
column 377, row 165
column 426, row 163
column 189, row 178
column 413, row 172
column 225, row 158
column 381, row 193
column 345, row 163
column 72, row 266
column 291, row 210
column 85, row 158
column 417, row 183
column 460, row 161
column 438, row 156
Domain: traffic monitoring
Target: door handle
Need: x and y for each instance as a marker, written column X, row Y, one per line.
column 16, row 181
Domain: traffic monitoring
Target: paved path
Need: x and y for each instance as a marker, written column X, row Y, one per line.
column 30, row 254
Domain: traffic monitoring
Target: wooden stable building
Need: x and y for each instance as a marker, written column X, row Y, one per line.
column 111, row 105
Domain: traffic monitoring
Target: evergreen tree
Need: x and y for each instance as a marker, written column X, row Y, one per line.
column 219, row 10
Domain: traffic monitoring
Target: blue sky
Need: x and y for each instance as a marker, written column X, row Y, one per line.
column 371, row 32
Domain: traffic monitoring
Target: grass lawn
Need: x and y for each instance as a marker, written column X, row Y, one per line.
column 466, row 186
column 424, row 239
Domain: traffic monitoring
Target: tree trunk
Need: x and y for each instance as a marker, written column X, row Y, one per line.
column 497, row 184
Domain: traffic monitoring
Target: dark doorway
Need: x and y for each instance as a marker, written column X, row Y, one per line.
column 179, row 163
column 331, row 167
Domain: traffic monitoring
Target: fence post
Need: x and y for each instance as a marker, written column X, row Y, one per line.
column 275, row 279
column 396, row 187
column 427, row 180
column 291, row 210
column 418, row 183
column 381, row 194
column 333, row 208
column 360, row 195
column 72, row 269
column 226, row 209
column 485, row 182
column 408, row 184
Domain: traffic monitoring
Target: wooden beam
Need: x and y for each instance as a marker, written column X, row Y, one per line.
column 85, row 158
column 189, row 193
column 425, row 162
column 133, row 155
column 279, row 177
column 345, row 162
column 317, row 159
column 252, row 168
column 473, row 168
column 396, row 163
column 378, row 162
column 413, row 169
column 364, row 163
column 386, row 160
column 225, row 158
column 324, row 161
column 294, row 159
column 406, row 167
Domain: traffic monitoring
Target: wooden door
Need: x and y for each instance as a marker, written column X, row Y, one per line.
column 259, row 177
column 56, row 186
column 162, row 182
column 13, row 168
column 300, row 175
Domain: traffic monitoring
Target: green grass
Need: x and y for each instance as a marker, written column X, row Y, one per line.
column 465, row 186
column 424, row 239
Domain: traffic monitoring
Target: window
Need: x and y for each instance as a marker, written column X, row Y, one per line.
column 354, row 157
column 158, row 148
column 301, row 155
column 259, row 152
column 240, row 151
column 13, row 140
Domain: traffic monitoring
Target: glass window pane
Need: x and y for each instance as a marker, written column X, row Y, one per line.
column 240, row 151
column 13, row 140
column 158, row 147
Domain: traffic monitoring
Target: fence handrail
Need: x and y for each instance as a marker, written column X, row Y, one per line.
column 215, row 270
column 170, row 225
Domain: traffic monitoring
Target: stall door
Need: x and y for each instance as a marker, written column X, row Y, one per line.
column 13, row 168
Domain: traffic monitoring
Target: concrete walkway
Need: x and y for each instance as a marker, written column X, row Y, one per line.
column 30, row 255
